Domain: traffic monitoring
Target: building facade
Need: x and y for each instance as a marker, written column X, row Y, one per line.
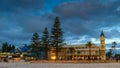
column 88, row 51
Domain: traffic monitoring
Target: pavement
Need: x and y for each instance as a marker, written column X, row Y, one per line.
column 58, row 65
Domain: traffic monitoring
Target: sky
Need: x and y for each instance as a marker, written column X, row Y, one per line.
column 81, row 20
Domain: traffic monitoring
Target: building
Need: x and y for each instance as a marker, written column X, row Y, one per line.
column 88, row 51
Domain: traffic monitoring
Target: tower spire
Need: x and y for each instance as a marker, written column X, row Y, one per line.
column 102, row 46
column 102, row 34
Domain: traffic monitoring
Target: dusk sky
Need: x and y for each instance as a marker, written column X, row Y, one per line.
column 81, row 20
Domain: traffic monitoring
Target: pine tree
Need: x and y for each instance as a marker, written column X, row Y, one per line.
column 25, row 45
column 9, row 48
column 35, row 45
column 5, row 47
column 17, row 50
column 12, row 48
column 45, row 42
column 56, row 36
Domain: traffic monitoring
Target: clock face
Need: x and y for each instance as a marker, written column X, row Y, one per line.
column 102, row 41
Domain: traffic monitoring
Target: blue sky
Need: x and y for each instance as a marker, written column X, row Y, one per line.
column 81, row 20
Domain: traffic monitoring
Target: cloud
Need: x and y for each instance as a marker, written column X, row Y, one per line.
column 88, row 9
column 20, row 19
column 82, row 20
column 18, row 5
column 88, row 16
column 18, row 28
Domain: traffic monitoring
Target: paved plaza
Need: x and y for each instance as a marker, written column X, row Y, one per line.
column 59, row 65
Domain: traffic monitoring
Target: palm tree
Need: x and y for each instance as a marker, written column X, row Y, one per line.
column 109, row 53
column 114, row 44
column 113, row 48
column 89, row 44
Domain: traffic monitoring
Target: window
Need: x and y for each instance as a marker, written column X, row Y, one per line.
column 102, row 46
column 78, row 52
column 96, row 52
column 68, row 52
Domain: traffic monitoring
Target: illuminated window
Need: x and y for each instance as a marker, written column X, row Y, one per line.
column 53, row 57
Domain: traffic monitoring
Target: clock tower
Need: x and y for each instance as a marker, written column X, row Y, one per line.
column 102, row 46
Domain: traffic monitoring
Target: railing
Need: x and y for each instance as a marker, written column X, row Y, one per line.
column 74, row 61
column 84, row 54
column 88, row 49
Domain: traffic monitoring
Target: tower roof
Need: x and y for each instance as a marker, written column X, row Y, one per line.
column 57, row 19
column 102, row 34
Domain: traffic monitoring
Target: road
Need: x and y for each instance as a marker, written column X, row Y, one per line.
column 59, row 65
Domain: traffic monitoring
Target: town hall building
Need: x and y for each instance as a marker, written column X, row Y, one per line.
column 87, row 51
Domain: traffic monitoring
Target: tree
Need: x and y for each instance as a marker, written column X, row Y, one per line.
column 5, row 47
column 109, row 53
column 113, row 47
column 9, row 48
column 35, row 45
column 13, row 48
column 56, row 36
column 17, row 50
column 45, row 42
column 25, row 45
column 89, row 44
